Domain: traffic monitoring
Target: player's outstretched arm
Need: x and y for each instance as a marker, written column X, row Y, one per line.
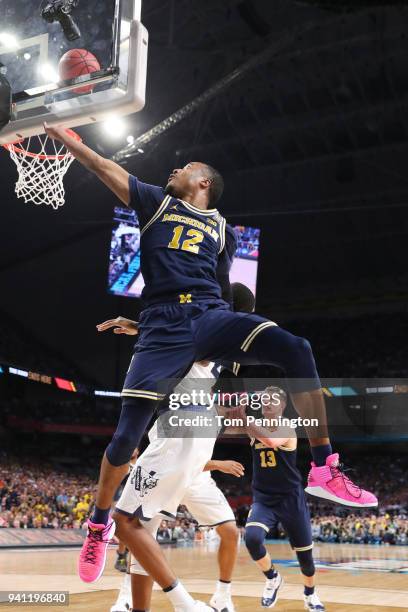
column 228, row 467
column 110, row 173
column 271, row 436
column 120, row 325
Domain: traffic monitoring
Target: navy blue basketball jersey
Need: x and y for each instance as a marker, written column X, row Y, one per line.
column 185, row 251
column 274, row 472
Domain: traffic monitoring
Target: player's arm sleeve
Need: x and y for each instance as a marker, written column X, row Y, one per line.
column 145, row 199
column 225, row 260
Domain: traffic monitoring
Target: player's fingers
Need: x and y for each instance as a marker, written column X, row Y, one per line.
column 239, row 467
column 238, row 473
column 106, row 324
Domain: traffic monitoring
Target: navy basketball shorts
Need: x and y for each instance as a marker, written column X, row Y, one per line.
column 173, row 336
column 291, row 511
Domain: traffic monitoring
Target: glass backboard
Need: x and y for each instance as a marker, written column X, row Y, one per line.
column 31, row 48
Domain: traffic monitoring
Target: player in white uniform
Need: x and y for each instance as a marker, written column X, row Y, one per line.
column 175, row 471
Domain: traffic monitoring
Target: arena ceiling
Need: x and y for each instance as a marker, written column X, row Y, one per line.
column 304, row 111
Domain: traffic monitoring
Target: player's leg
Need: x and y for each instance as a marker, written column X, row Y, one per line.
column 121, row 560
column 142, row 587
column 307, row 567
column 250, row 339
column 148, row 560
column 141, row 582
column 295, row 518
column 135, row 416
column 260, row 520
column 228, row 550
column 140, row 396
column 209, row 506
column 123, row 602
column 133, row 421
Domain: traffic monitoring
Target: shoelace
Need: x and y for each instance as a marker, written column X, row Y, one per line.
column 94, row 538
column 339, row 471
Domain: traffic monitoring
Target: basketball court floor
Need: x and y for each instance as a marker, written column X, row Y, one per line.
column 351, row 578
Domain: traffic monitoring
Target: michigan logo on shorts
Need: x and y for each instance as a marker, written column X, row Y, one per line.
column 144, row 481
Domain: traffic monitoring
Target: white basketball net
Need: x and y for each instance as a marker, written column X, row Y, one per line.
column 41, row 165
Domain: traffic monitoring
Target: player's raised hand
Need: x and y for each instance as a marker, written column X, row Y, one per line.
column 120, row 325
column 55, row 132
column 231, row 467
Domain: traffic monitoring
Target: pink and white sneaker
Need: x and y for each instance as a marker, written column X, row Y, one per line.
column 91, row 562
column 330, row 482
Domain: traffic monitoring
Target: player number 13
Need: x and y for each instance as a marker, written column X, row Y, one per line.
column 190, row 244
column 268, row 459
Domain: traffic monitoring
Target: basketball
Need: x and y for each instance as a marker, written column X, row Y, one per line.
column 75, row 63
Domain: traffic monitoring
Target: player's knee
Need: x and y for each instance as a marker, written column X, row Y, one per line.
column 120, row 448
column 292, row 353
column 299, row 361
column 301, row 349
column 254, row 541
column 121, row 522
column 306, row 563
column 228, row 532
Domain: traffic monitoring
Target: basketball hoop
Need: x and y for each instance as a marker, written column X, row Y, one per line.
column 41, row 165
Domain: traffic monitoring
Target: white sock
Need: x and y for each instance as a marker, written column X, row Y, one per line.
column 224, row 588
column 125, row 588
column 127, row 582
column 179, row 597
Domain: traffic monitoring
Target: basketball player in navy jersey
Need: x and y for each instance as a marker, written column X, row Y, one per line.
column 278, row 496
column 186, row 253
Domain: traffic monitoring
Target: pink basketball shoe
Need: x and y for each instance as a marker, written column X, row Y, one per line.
column 330, row 482
column 91, row 562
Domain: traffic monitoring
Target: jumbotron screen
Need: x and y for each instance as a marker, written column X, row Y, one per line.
column 125, row 277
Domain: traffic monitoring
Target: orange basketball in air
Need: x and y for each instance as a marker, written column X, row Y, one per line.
column 75, row 63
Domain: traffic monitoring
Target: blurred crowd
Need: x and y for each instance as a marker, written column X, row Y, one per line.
column 34, row 496
column 356, row 529
column 41, row 497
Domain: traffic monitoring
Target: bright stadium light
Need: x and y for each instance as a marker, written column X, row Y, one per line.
column 114, row 127
column 48, row 72
column 27, row 56
column 8, row 40
column 130, row 139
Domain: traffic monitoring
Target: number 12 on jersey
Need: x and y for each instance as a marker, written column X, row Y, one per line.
column 189, row 244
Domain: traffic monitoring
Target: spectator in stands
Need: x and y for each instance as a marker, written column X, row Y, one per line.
column 163, row 533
